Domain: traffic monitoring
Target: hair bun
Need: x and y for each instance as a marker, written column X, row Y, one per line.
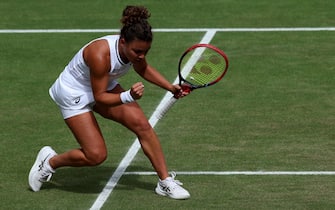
column 134, row 14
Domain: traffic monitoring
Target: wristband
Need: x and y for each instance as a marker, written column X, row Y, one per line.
column 126, row 97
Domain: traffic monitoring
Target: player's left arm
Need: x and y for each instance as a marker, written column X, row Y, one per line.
column 150, row 74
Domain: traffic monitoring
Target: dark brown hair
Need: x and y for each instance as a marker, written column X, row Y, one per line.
column 135, row 24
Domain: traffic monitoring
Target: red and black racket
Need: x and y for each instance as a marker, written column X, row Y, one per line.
column 200, row 66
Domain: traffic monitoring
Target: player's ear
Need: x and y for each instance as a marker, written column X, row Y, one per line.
column 122, row 41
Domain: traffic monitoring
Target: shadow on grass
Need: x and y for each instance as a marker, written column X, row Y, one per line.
column 93, row 179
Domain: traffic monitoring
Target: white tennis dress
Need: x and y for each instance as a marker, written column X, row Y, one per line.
column 72, row 90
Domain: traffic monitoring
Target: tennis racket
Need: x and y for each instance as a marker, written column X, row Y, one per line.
column 201, row 65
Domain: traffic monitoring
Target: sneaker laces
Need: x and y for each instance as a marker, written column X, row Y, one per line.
column 45, row 174
column 173, row 180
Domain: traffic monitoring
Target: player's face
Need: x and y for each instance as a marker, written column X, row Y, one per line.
column 134, row 51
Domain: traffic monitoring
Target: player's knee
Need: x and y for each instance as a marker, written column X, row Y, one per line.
column 142, row 125
column 96, row 157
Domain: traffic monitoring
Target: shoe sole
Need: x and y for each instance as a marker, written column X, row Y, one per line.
column 163, row 193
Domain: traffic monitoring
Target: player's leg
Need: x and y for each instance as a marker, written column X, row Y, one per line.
column 92, row 149
column 131, row 116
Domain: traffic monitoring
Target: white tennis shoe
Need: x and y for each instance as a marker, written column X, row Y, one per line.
column 41, row 171
column 172, row 188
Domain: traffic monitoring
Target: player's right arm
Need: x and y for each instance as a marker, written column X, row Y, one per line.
column 97, row 57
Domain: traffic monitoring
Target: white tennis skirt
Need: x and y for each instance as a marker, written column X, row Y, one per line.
column 72, row 101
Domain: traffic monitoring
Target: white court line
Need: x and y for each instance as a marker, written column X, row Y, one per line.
column 11, row 31
column 227, row 173
column 120, row 170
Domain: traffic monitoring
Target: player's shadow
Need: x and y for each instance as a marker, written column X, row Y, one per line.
column 130, row 182
column 94, row 179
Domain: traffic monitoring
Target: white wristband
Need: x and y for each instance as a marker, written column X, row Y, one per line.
column 126, row 97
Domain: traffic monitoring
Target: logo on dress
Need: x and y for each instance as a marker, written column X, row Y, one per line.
column 77, row 100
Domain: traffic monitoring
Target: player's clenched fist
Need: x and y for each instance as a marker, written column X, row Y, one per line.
column 137, row 90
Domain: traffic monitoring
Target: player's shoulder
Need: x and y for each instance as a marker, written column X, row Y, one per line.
column 97, row 54
column 97, row 48
column 102, row 45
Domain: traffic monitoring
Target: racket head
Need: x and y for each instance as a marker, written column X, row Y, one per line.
column 202, row 65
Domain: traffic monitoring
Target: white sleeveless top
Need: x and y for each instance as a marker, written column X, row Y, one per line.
column 77, row 74
column 72, row 89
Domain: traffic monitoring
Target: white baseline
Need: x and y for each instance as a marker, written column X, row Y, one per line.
column 228, row 173
column 301, row 29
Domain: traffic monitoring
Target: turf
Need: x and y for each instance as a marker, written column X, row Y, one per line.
column 273, row 111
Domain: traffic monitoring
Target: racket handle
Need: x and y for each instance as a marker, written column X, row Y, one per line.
column 165, row 107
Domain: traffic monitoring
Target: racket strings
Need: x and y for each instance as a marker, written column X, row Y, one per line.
column 208, row 68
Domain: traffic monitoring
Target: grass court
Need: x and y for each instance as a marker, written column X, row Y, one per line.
column 273, row 112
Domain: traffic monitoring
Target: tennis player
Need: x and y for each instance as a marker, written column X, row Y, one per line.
column 89, row 83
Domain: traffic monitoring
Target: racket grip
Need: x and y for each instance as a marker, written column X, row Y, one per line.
column 165, row 107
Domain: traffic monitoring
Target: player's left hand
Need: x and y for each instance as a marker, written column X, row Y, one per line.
column 137, row 90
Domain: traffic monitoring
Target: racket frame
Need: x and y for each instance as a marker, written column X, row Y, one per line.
column 187, row 85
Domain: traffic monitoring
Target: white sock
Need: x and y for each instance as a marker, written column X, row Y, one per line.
column 48, row 166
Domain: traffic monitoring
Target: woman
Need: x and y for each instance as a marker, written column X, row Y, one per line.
column 88, row 83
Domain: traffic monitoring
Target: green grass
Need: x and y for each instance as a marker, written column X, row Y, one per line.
column 273, row 111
